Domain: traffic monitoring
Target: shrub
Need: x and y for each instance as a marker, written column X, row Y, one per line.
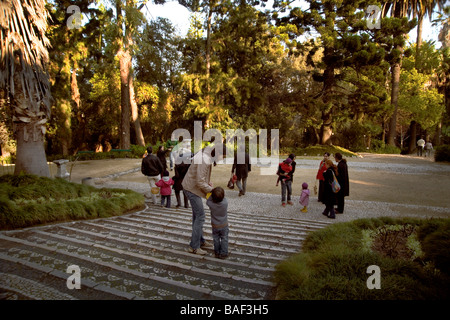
column 379, row 146
column 442, row 153
column 334, row 261
column 27, row 200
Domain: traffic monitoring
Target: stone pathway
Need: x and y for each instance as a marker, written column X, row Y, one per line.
column 144, row 255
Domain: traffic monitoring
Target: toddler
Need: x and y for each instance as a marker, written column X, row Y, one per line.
column 165, row 188
column 218, row 205
column 304, row 197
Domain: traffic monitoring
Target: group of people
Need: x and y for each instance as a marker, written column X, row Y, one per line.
column 194, row 179
column 424, row 148
column 327, row 173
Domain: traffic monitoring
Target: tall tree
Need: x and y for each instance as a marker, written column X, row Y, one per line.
column 126, row 26
column 424, row 8
column 24, row 80
column 340, row 29
column 399, row 9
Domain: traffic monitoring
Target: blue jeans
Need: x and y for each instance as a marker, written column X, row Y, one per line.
column 198, row 219
column 220, row 237
column 163, row 200
column 286, row 185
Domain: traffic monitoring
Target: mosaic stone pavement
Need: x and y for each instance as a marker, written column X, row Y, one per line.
column 144, row 255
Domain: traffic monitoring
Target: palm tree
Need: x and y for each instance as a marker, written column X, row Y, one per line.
column 424, row 8
column 24, row 80
column 398, row 9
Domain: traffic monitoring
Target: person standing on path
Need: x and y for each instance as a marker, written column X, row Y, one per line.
column 196, row 185
column 420, row 146
column 242, row 170
column 152, row 168
column 428, row 148
column 319, row 176
column 284, row 168
column 161, row 154
column 329, row 197
column 180, row 172
column 343, row 180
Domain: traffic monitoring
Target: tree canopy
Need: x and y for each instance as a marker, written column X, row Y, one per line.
column 318, row 72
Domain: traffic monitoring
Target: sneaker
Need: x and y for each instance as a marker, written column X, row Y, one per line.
column 290, row 203
column 206, row 244
column 197, row 251
column 304, row 210
column 223, row 256
column 283, row 204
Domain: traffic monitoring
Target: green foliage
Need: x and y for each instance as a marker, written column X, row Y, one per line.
column 442, row 153
column 27, row 200
column 334, row 261
column 379, row 146
column 265, row 72
column 419, row 100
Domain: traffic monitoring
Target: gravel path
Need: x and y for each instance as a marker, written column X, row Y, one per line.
column 270, row 204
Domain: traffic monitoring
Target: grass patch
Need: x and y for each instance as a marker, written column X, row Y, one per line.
column 28, row 200
column 334, row 261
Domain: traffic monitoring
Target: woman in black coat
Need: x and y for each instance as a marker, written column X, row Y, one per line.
column 343, row 181
column 329, row 197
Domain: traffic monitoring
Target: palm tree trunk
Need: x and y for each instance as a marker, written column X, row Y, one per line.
column 419, row 39
column 31, row 156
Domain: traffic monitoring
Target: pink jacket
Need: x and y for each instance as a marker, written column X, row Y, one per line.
column 164, row 185
column 304, row 197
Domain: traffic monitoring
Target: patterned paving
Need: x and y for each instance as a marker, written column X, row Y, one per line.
column 144, row 256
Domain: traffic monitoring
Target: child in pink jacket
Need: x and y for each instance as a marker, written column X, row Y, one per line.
column 304, row 197
column 165, row 188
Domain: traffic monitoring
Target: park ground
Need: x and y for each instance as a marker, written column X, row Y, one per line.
column 412, row 181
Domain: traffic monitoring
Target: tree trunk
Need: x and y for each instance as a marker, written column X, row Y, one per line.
column 124, row 65
column 412, row 137
column 396, row 69
column 208, row 54
column 31, row 156
column 419, row 39
column 327, row 115
column 135, row 116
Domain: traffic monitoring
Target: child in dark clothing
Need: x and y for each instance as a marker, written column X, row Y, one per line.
column 218, row 205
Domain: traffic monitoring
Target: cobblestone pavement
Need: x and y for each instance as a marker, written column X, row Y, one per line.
column 144, row 255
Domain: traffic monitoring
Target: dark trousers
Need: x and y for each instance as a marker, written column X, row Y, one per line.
column 329, row 210
column 186, row 201
column 163, row 198
column 340, row 200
